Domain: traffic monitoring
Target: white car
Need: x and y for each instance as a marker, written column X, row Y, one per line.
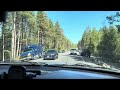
column 73, row 52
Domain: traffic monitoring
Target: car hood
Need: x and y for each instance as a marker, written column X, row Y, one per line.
column 26, row 53
column 70, row 74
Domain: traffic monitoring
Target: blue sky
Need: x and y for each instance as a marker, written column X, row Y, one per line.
column 74, row 23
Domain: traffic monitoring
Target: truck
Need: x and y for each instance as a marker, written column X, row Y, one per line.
column 31, row 52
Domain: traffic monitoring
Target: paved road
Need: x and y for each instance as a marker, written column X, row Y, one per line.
column 63, row 58
column 67, row 59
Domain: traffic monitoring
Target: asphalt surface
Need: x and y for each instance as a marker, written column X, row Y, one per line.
column 67, row 59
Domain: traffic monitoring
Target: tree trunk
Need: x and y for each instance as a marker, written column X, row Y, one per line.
column 19, row 20
column 23, row 32
column 56, row 43
column 13, row 46
column 20, row 49
column 18, row 46
column 3, row 47
column 26, row 41
column 15, row 38
column 38, row 36
column 20, row 43
column 30, row 36
column 27, row 31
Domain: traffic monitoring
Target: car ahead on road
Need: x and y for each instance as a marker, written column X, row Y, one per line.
column 63, row 51
column 59, row 51
column 31, row 52
column 86, row 53
column 73, row 52
column 51, row 54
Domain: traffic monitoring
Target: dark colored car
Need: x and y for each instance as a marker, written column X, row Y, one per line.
column 86, row 53
column 63, row 51
column 31, row 52
column 51, row 54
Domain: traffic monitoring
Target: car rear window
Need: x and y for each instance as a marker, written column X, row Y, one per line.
column 51, row 51
column 73, row 49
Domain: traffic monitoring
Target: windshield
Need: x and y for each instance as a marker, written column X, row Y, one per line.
column 51, row 51
column 95, row 35
column 73, row 49
column 27, row 49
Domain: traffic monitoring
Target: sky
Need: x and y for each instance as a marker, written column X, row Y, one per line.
column 74, row 23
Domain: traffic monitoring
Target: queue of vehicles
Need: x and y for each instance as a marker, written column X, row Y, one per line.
column 32, row 52
column 84, row 52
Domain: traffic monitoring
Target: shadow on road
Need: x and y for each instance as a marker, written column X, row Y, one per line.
column 93, row 59
column 81, row 58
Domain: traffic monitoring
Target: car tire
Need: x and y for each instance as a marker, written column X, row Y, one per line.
column 33, row 58
column 43, row 57
column 57, row 57
column 40, row 56
column 54, row 58
column 89, row 56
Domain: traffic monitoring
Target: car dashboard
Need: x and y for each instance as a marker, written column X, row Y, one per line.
column 48, row 72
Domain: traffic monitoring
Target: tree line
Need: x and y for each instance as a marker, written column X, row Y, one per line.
column 29, row 27
column 105, row 42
